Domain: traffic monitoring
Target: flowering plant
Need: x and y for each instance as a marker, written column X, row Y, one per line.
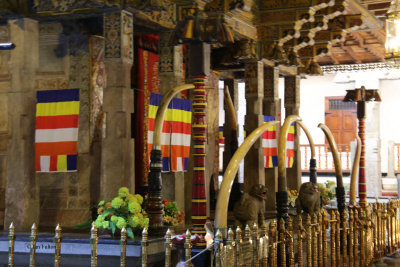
column 293, row 194
column 327, row 191
column 172, row 216
column 125, row 210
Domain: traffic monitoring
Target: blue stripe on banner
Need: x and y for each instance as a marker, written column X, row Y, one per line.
column 155, row 99
column 63, row 95
column 186, row 161
column 181, row 104
column 268, row 118
column 275, row 161
column 71, row 162
column 165, row 164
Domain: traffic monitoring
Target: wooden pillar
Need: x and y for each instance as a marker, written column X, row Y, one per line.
column 22, row 189
column 254, row 160
column 292, row 106
column 271, row 107
column 118, row 146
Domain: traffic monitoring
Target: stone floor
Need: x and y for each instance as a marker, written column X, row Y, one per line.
column 390, row 261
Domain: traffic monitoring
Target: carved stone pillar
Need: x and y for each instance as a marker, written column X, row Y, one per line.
column 254, row 160
column 22, row 190
column 118, row 147
column 292, row 106
column 170, row 71
column 271, row 108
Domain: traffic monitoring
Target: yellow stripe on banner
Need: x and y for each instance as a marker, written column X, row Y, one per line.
column 270, row 163
column 57, row 108
column 291, row 129
column 182, row 116
column 199, row 217
column 61, row 162
column 152, row 111
column 199, row 200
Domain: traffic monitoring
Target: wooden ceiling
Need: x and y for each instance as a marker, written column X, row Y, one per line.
column 364, row 45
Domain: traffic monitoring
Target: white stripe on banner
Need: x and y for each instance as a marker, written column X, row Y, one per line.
column 56, row 135
column 269, row 143
column 165, row 138
column 179, row 165
column 44, row 163
column 180, row 139
column 290, row 145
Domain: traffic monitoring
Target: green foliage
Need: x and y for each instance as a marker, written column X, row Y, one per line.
column 327, row 191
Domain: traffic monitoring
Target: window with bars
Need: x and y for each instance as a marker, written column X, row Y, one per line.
column 337, row 104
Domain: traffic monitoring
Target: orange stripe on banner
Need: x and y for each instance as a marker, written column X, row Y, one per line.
column 181, row 127
column 57, row 148
column 165, row 151
column 180, row 151
column 270, row 151
column 290, row 153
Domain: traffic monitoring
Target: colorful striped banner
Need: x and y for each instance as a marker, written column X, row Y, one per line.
column 56, row 135
column 270, row 145
column 176, row 132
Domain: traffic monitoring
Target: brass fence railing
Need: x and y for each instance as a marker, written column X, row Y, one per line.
column 357, row 237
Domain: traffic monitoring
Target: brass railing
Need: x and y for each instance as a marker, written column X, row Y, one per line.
column 324, row 159
column 358, row 237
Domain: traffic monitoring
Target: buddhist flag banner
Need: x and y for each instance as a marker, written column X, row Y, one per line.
column 154, row 102
column 290, row 147
column 176, row 132
column 56, row 135
column 270, row 145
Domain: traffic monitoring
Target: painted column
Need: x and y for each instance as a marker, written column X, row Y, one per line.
column 271, row 107
column 292, row 106
column 118, row 145
column 254, row 160
column 362, row 184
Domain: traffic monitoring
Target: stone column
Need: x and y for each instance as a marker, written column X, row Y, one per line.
column 292, row 106
column 271, row 108
column 254, row 160
column 118, row 146
column 22, row 190
column 170, row 72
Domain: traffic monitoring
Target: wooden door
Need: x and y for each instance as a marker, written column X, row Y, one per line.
column 341, row 118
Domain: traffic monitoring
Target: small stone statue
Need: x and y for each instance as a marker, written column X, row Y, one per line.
column 249, row 209
column 308, row 199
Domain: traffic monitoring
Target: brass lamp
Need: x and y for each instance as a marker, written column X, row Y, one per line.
column 392, row 44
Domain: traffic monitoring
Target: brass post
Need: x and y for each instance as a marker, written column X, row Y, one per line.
column 351, row 236
column 314, row 236
column 93, row 243
column 168, row 248
column 325, row 238
column 265, row 235
column 308, row 240
column 282, row 244
column 32, row 239
column 144, row 244
column 390, row 224
column 320, row 244
column 344, row 237
column 337, row 224
column 57, row 242
column 273, row 238
column 246, row 233
column 255, row 238
column 333, row 239
column 356, row 233
column 290, row 242
column 300, row 230
column 219, row 243
column 11, row 242
column 231, row 242
column 238, row 240
column 362, row 221
column 188, row 248
column 375, row 230
column 123, row 242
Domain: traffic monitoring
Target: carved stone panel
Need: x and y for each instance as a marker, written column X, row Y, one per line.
column 112, row 34
column 71, row 5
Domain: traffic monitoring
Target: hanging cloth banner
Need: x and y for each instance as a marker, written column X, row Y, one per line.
column 176, row 132
column 270, row 145
column 56, row 134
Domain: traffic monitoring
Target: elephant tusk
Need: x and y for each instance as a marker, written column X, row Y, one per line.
column 313, row 163
column 335, row 154
column 354, row 172
column 230, row 173
column 282, row 152
column 230, row 109
column 162, row 109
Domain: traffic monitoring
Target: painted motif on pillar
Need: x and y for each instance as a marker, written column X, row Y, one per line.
column 252, row 71
column 268, row 4
column 127, row 36
column 97, row 84
column 112, row 33
column 72, row 5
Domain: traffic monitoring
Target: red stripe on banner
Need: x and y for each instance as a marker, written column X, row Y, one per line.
column 57, row 122
column 181, row 127
column 166, row 127
column 290, row 137
column 57, row 148
column 269, row 135
column 53, row 163
column 270, row 151
column 151, row 124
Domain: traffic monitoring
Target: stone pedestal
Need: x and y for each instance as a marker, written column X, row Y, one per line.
column 22, row 191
